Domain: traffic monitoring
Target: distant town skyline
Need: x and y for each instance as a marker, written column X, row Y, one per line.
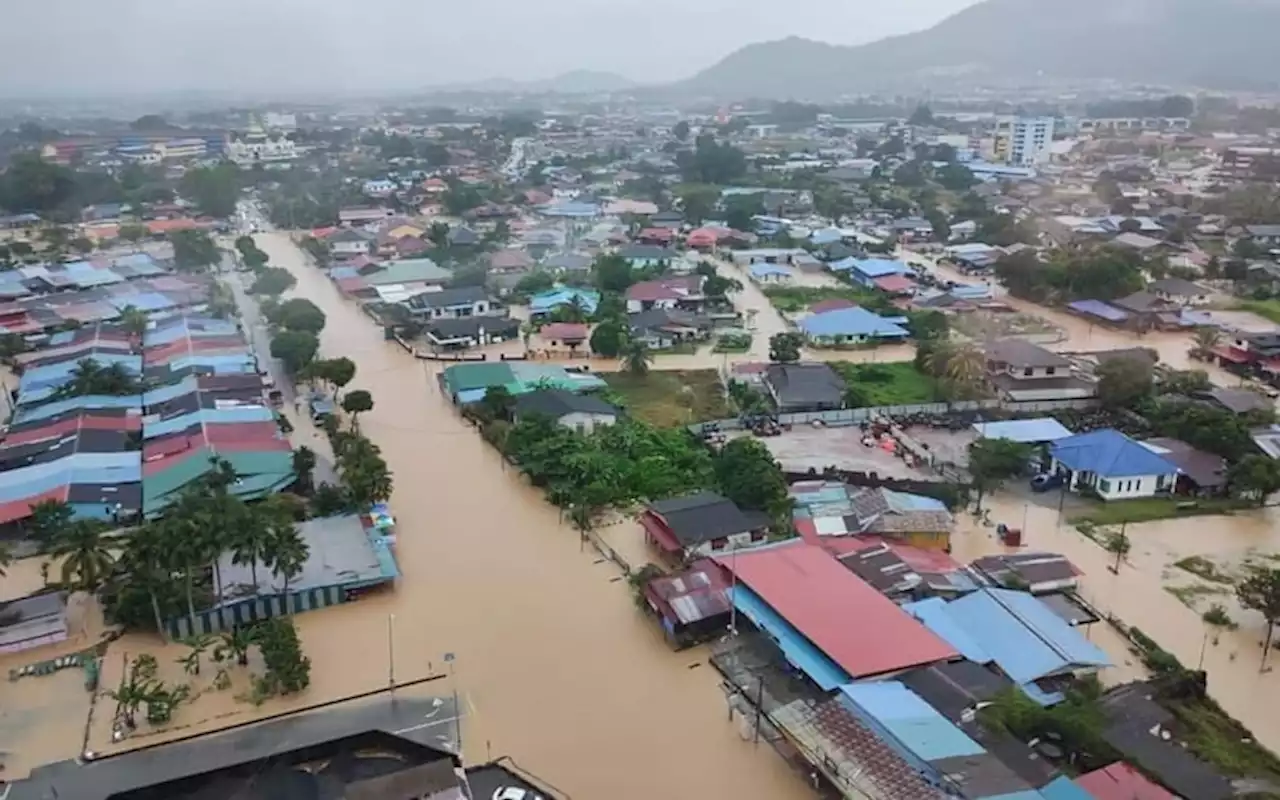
column 73, row 47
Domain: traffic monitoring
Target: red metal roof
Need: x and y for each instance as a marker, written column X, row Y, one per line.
column 842, row 615
column 564, row 331
column 894, row 284
column 83, row 422
column 230, row 432
column 21, row 509
column 1120, row 781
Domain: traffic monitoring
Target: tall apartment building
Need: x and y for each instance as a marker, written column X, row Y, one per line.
column 1023, row 141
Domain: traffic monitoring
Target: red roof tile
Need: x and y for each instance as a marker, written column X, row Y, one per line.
column 168, row 225
column 842, row 615
column 1120, row 781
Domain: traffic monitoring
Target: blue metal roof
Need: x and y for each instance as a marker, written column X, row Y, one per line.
column 880, row 267
column 851, row 322
column 1063, row 788
column 143, row 301
column 935, row 615
column 798, row 650
column 1021, row 634
column 917, row 726
column 765, row 269
column 550, row 300
column 74, row 403
column 207, row 416
column 843, row 265
column 1110, row 454
column 1042, row 429
column 164, row 394
column 1099, row 309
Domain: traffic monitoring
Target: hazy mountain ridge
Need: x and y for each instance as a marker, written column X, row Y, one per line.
column 1203, row 42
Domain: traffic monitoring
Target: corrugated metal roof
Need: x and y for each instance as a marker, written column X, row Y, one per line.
column 856, row 626
column 914, row 723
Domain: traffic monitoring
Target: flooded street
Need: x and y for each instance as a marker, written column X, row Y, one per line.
column 556, row 666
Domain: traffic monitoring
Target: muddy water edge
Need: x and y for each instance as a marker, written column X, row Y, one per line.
column 553, row 663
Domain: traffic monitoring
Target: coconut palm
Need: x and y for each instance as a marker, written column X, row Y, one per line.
column 1206, row 339
column 304, row 464
column 965, row 369
column 255, row 536
column 288, row 553
column 134, row 321
column 144, row 565
column 86, row 557
column 636, row 357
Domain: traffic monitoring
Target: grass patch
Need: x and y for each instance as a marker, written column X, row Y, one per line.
column 1188, row 595
column 671, row 397
column 894, row 383
column 793, row 299
column 1204, row 568
column 1223, row 742
column 1267, row 309
column 732, row 343
column 1148, row 509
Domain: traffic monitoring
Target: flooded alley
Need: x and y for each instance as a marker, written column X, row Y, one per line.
column 556, row 666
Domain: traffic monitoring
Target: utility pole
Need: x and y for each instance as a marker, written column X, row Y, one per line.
column 391, row 655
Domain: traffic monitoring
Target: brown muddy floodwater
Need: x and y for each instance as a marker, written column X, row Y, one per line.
column 556, row 666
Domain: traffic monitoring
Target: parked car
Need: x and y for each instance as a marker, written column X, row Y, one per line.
column 515, row 793
column 1046, row 481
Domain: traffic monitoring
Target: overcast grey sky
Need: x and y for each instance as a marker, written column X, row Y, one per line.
column 95, row 46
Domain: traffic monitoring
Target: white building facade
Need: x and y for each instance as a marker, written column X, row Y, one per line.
column 1023, row 141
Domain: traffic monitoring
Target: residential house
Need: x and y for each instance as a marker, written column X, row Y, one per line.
column 769, row 274
column 645, row 255
column 580, row 412
column 854, row 325
column 683, row 292
column 829, row 510
column 656, row 236
column 1199, row 473
column 510, row 261
column 703, row 239
column 363, row 216
column 546, row 302
column 468, row 301
column 1038, row 573
column 1146, row 310
column 568, row 262
column 667, row 219
column 1023, row 371
column 1265, row 236
column 804, row 387
column 698, row 525
column 665, row 328
column 1182, row 293
column 865, row 271
column 347, row 243
column 1112, row 465
column 407, row 276
column 460, row 333
column 692, row 605
column 462, row 236
column 564, row 336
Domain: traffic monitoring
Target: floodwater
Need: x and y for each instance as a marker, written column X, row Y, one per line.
column 556, row 666
column 553, row 664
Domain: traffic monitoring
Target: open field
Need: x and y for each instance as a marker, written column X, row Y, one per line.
column 669, row 398
column 894, row 383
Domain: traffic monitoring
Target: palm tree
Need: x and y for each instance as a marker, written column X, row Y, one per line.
column 86, row 557
column 575, row 310
column 304, row 464
column 191, row 661
column 128, row 698
column 965, row 368
column 636, row 357
column 144, row 566
column 263, row 527
column 236, row 642
column 1206, row 339
column 48, row 518
column 134, row 321
column 288, row 553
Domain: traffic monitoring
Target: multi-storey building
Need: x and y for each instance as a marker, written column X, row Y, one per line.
column 1023, row 141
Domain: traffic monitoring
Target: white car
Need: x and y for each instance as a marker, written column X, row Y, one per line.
column 515, row 793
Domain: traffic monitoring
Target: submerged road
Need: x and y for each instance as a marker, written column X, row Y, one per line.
column 556, row 665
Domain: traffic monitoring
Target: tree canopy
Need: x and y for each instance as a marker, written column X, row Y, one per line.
column 994, row 461
column 193, row 250
column 711, row 161
column 215, row 190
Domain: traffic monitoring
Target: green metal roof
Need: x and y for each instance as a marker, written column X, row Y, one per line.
column 465, row 377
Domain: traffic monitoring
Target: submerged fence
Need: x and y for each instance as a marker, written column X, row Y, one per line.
column 856, row 416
